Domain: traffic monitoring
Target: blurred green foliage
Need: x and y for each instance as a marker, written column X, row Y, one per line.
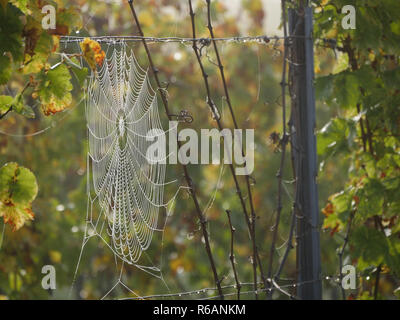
column 365, row 133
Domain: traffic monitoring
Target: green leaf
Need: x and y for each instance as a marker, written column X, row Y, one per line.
column 337, row 136
column 324, row 88
column 21, row 108
column 41, row 52
column 369, row 246
column 80, row 73
column 5, row 103
column 21, row 5
column 11, row 30
column 374, row 248
column 369, row 31
column 372, row 197
column 17, row 105
column 342, row 201
column 54, row 90
column 18, row 188
column 346, row 89
column 17, row 183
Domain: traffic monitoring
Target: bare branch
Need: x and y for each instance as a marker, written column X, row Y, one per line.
column 251, row 224
column 5, row 113
column 232, row 255
column 283, row 142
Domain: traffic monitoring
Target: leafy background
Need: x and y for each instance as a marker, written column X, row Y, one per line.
column 358, row 116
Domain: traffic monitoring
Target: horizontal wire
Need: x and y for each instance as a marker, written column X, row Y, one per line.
column 187, row 293
column 237, row 39
column 233, row 286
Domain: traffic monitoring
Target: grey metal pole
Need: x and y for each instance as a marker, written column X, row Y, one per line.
column 302, row 125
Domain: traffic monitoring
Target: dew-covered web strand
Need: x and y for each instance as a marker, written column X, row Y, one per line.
column 53, row 124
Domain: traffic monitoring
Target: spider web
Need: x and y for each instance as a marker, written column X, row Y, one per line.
column 125, row 186
column 121, row 109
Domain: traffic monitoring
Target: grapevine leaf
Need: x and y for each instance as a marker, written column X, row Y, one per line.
column 346, row 89
column 67, row 17
column 324, row 88
column 79, row 72
column 55, row 89
column 17, row 105
column 92, row 53
column 41, row 45
column 371, row 197
column 5, row 103
column 21, row 5
column 369, row 246
column 335, row 137
column 18, row 188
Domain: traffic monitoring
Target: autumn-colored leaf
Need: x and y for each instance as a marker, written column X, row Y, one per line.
column 334, row 230
column 92, row 53
column 54, row 90
column 31, row 33
column 18, row 188
column 15, row 215
column 37, row 60
column 67, row 18
column 328, row 210
column 60, row 30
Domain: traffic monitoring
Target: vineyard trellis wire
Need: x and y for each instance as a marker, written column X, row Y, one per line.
column 270, row 281
column 283, row 288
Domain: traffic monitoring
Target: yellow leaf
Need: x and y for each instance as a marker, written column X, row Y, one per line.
column 55, row 104
column 92, row 53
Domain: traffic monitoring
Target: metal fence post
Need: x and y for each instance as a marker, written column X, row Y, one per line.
column 301, row 71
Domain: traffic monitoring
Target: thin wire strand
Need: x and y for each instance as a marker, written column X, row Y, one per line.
column 282, row 288
column 261, row 39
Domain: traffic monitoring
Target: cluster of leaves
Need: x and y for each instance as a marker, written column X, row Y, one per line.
column 26, row 53
column 28, row 50
column 364, row 86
